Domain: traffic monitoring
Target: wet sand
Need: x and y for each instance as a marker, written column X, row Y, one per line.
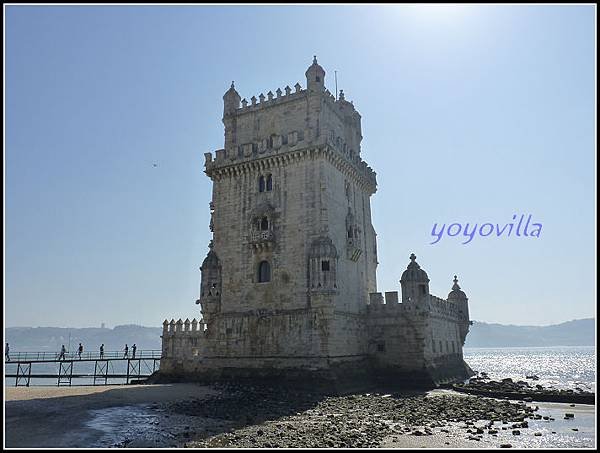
column 60, row 416
column 177, row 415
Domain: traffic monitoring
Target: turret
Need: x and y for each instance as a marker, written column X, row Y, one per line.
column 414, row 283
column 210, row 286
column 458, row 297
column 315, row 76
column 231, row 101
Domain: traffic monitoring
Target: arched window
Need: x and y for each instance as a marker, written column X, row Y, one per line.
column 261, row 184
column 269, row 183
column 264, row 272
column 264, row 224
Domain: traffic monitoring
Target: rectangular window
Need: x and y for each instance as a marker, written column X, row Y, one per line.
column 325, row 266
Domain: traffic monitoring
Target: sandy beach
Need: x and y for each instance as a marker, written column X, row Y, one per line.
column 177, row 415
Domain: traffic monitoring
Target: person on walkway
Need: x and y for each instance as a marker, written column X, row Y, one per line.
column 63, row 350
column 126, row 351
column 80, row 350
column 102, row 351
column 7, row 353
column 133, row 348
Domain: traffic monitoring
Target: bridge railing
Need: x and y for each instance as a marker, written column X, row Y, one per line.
column 86, row 355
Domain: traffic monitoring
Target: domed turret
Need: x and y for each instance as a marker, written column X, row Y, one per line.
column 414, row 282
column 456, row 293
column 231, row 100
column 413, row 272
column 458, row 297
column 210, row 284
column 211, row 261
column 315, row 76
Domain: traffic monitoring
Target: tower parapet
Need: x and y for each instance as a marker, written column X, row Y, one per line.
column 305, row 119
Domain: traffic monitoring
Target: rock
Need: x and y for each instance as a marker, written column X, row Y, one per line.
column 575, row 429
column 569, row 415
column 506, row 446
column 516, row 432
column 537, row 434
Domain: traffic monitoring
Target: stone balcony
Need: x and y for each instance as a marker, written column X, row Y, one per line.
column 260, row 240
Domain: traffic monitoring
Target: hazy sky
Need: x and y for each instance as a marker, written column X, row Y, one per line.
column 469, row 115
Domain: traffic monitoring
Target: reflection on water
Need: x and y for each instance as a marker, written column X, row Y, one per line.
column 122, row 425
column 147, row 425
column 559, row 367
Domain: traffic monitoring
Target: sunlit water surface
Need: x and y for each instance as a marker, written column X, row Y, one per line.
column 559, row 366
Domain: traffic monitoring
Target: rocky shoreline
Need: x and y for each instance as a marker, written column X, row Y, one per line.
column 269, row 417
column 246, row 415
column 523, row 390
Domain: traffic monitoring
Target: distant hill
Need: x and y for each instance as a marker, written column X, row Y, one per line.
column 573, row 333
column 579, row 332
column 51, row 338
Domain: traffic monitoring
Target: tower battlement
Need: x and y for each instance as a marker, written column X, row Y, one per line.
column 284, row 121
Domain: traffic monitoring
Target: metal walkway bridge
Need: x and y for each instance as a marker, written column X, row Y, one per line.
column 139, row 365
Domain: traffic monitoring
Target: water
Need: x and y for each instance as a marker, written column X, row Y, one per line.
column 562, row 367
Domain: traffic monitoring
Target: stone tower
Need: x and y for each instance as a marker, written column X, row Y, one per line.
column 288, row 286
column 293, row 255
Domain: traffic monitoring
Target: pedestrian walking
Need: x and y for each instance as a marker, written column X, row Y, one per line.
column 133, row 348
column 7, row 353
column 102, row 351
column 126, row 351
column 63, row 350
column 80, row 350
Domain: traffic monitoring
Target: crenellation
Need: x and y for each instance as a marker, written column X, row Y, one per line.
column 391, row 297
column 375, row 299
